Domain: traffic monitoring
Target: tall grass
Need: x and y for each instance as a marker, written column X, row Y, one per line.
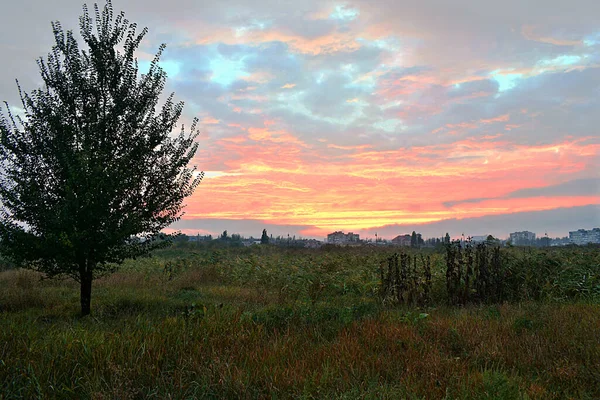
column 265, row 323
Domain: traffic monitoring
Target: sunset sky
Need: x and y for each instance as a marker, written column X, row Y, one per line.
column 438, row 116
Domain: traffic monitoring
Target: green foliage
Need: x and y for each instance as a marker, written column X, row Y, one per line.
column 306, row 314
column 261, row 322
column 522, row 324
column 413, row 239
column 490, row 274
column 113, row 177
column 497, row 385
column 5, row 263
column 264, row 239
column 553, row 274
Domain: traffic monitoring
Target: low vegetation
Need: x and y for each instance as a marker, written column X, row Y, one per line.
column 267, row 322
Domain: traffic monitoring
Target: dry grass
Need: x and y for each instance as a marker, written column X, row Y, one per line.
column 202, row 333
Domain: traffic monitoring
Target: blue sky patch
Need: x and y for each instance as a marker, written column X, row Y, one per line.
column 171, row 67
column 344, row 13
column 225, row 71
column 506, row 81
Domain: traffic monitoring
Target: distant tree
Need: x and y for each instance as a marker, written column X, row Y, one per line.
column 413, row 239
column 447, row 238
column 181, row 238
column 491, row 240
column 91, row 174
column 264, row 239
column 224, row 235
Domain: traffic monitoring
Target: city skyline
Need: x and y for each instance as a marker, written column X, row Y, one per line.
column 360, row 116
column 385, row 235
column 580, row 237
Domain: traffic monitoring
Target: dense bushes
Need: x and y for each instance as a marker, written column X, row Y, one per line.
column 553, row 273
column 484, row 274
column 456, row 274
column 5, row 264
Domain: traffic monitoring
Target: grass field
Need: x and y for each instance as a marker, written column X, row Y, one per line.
column 268, row 322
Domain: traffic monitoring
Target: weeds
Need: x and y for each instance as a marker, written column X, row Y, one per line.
column 402, row 282
column 261, row 323
column 474, row 274
column 483, row 274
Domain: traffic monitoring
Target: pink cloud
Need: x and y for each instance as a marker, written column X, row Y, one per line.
column 281, row 180
column 209, row 121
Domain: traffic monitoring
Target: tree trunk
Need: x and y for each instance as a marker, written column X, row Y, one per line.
column 86, row 293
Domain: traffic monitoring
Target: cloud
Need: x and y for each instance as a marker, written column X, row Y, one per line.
column 353, row 115
column 586, row 187
column 529, row 32
column 556, row 223
column 578, row 187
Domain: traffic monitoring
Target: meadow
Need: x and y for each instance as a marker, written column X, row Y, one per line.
column 271, row 322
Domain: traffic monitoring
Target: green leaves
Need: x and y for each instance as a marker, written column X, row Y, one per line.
column 92, row 164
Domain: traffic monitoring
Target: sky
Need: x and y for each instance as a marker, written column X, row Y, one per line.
column 386, row 116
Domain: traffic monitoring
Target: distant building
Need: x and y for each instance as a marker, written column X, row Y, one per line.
column 313, row 244
column 339, row 237
column 336, row 237
column 401, row 240
column 524, row 238
column 479, row 239
column 250, row 242
column 199, row 238
column 582, row 237
column 560, row 241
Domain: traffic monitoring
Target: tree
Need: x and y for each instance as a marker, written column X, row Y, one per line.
column 490, row 240
column 181, row 238
column 447, row 238
column 264, row 239
column 235, row 240
column 224, row 235
column 413, row 239
column 91, row 175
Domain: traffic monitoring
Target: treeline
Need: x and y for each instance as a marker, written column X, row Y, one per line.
column 236, row 240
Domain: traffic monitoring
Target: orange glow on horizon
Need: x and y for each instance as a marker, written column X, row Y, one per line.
column 275, row 177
